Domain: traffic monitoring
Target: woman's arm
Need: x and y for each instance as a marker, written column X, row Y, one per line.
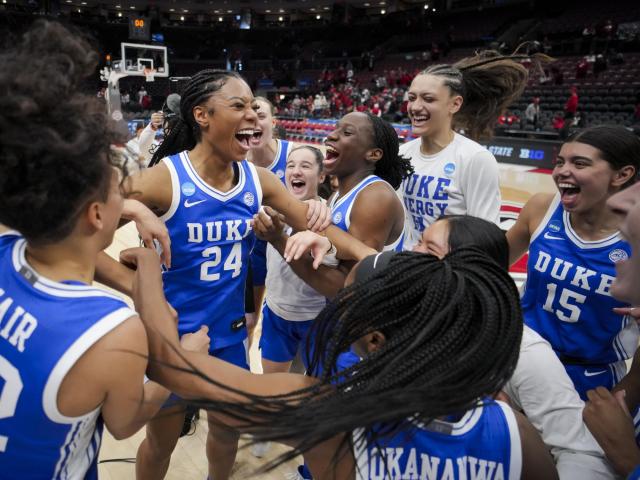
column 530, row 217
column 536, row 460
column 275, row 195
column 326, row 281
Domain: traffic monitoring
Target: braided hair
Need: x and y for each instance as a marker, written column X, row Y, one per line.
column 488, row 82
column 392, row 167
column 185, row 132
column 453, row 329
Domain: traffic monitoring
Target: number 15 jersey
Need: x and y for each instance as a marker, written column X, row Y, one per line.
column 567, row 296
column 211, row 238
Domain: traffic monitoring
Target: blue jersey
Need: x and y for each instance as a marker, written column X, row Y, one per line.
column 45, row 327
column 211, row 239
column 567, row 296
column 279, row 164
column 259, row 253
column 341, row 209
column 484, row 443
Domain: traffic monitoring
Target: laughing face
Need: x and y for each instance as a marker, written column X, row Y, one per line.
column 626, row 203
column 584, row 179
column 431, row 105
column 302, row 175
column 350, row 146
column 228, row 120
column 264, row 128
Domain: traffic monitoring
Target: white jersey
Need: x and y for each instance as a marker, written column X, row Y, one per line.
column 288, row 296
column 541, row 388
column 461, row 179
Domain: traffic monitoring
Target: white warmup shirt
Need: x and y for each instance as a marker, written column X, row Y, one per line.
column 541, row 388
column 287, row 295
column 461, row 179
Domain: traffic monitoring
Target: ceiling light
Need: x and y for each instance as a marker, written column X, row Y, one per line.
column 280, row 19
column 367, row 4
column 318, row 17
column 220, row 19
column 434, row 10
column 182, row 18
column 426, row 6
column 132, row 7
column 172, row 9
column 326, row 8
column 119, row 14
column 229, row 11
column 268, row 11
column 383, row 11
column 281, row 11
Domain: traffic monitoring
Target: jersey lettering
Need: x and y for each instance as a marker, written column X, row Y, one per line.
column 19, row 326
column 425, row 196
column 429, row 467
column 9, row 394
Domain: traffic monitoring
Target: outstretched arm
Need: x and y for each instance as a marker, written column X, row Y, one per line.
column 276, row 196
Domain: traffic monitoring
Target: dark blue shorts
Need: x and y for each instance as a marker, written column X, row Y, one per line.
column 281, row 338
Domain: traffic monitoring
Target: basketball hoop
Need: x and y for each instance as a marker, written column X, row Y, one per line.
column 149, row 74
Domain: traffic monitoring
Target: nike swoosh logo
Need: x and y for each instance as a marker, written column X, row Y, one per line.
column 591, row 374
column 188, row 204
column 548, row 236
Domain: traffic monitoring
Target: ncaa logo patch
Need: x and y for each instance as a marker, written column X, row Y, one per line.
column 554, row 226
column 449, row 168
column 280, row 173
column 249, row 200
column 617, row 255
column 337, row 218
column 188, row 189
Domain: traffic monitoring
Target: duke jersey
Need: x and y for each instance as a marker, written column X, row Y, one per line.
column 45, row 327
column 567, row 295
column 341, row 210
column 279, row 164
column 211, row 239
column 484, row 443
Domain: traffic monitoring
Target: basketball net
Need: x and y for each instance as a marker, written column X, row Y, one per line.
column 149, row 74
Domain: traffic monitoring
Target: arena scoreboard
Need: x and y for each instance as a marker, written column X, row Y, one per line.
column 139, row 28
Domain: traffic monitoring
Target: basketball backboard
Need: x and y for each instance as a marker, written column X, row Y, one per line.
column 138, row 57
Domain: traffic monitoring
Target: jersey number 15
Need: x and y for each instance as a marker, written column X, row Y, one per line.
column 567, row 306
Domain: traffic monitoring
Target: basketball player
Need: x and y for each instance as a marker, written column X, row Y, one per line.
column 72, row 356
column 454, row 174
column 417, row 403
column 362, row 152
column 607, row 414
column 207, row 194
column 539, row 386
column 270, row 153
column 574, row 244
column 291, row 305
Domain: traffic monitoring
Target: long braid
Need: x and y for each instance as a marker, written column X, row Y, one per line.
column 185, row 133
column 452, row 328
column 392, row 167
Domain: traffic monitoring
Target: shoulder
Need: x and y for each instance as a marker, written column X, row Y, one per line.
column 537, row 206
column 471, row 151
column 410, row 147
column 379, row 194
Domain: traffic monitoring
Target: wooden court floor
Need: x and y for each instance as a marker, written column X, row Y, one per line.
column 189, row 459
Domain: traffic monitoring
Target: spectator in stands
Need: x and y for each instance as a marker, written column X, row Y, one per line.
column 571, row 107
column 140, row 145
column 582, row 68
column 532, row 113
column 141, row 94
column 507, row 119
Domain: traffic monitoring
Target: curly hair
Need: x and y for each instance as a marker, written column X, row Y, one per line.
column 488, row 82
column 55, row 142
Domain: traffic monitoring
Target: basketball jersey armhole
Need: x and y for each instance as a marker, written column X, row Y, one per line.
column 256, row 181
column 98, row 330
column 547, row 216
column 360, row 454
column 175, row 190
column 515, row 447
